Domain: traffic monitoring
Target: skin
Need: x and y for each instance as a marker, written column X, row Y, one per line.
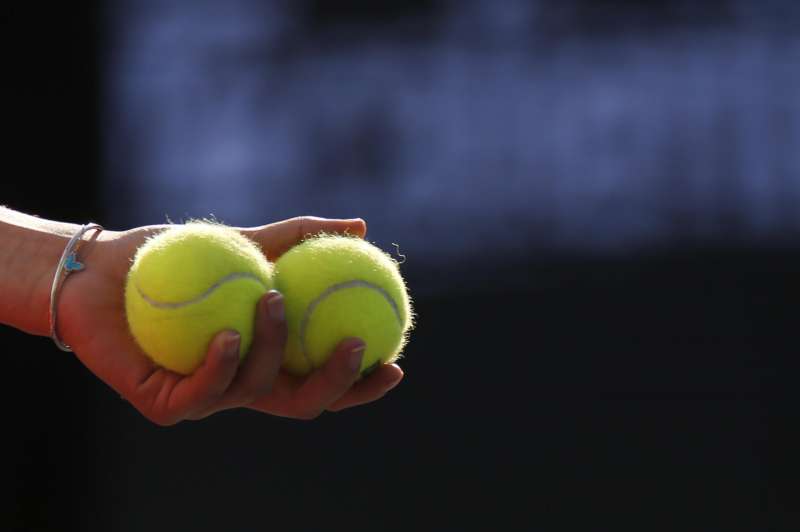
column 91, row 320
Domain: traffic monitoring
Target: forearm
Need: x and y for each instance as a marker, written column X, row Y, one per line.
column 30, row 249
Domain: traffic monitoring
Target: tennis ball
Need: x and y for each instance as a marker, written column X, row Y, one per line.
column 337, row 287
column 190, row 282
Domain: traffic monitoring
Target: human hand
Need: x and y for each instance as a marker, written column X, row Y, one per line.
column 92, row 321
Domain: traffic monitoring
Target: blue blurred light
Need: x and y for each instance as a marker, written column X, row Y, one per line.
column 490, row 137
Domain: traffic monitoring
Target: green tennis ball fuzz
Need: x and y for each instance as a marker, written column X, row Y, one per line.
column 190, row 282
column 336, row 287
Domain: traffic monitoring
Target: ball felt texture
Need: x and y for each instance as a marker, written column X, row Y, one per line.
column 338, row 287
column 190, row 282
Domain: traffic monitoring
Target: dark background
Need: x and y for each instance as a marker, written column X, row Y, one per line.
column 606, row 329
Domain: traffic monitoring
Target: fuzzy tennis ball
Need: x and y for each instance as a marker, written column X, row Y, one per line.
column 190, row 282
column 337, row 287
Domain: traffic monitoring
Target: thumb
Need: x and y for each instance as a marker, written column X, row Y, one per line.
column 279, row 237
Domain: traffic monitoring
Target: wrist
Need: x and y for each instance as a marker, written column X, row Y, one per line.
column 30, row 250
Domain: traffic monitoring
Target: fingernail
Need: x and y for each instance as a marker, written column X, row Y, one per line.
column 232, row 342
column 394, row 381
column 275, row 306
column 356, row 354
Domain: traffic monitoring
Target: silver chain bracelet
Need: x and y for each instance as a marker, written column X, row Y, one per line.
column 68, row 264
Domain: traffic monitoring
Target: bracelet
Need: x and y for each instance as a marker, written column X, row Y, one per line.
column 68, row 264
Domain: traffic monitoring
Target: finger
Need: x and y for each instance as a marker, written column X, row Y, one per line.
column 280, row 236
column 283, row 397
column 197, row 392
column 260, row 368
column 372, row 388
column 330, row 382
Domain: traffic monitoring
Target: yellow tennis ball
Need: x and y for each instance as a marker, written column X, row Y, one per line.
column 337, row 287
column 190, row 282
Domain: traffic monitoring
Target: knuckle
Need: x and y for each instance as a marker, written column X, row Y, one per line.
column 148, row 408
column 215, row 394
column 279, row 336
column 162, row 419
column 301, row 224
column 246, row 398
column 336, row 408
column 251, row 393
column 309, row 415
column 264, row 389
column 156, row 413
column 151, row 404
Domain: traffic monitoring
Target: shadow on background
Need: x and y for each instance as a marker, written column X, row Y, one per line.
column 602, row 250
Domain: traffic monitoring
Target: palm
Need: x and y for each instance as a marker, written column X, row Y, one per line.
column 98, row 331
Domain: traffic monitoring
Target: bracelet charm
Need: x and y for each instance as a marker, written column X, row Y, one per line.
column 69, row 263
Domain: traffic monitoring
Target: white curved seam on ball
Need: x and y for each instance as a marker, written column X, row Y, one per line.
column 357, row 283
column 228, row 278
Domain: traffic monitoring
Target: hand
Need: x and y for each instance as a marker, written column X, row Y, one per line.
column 92, row 321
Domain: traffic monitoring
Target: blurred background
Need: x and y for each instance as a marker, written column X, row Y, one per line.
column 597, row 206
